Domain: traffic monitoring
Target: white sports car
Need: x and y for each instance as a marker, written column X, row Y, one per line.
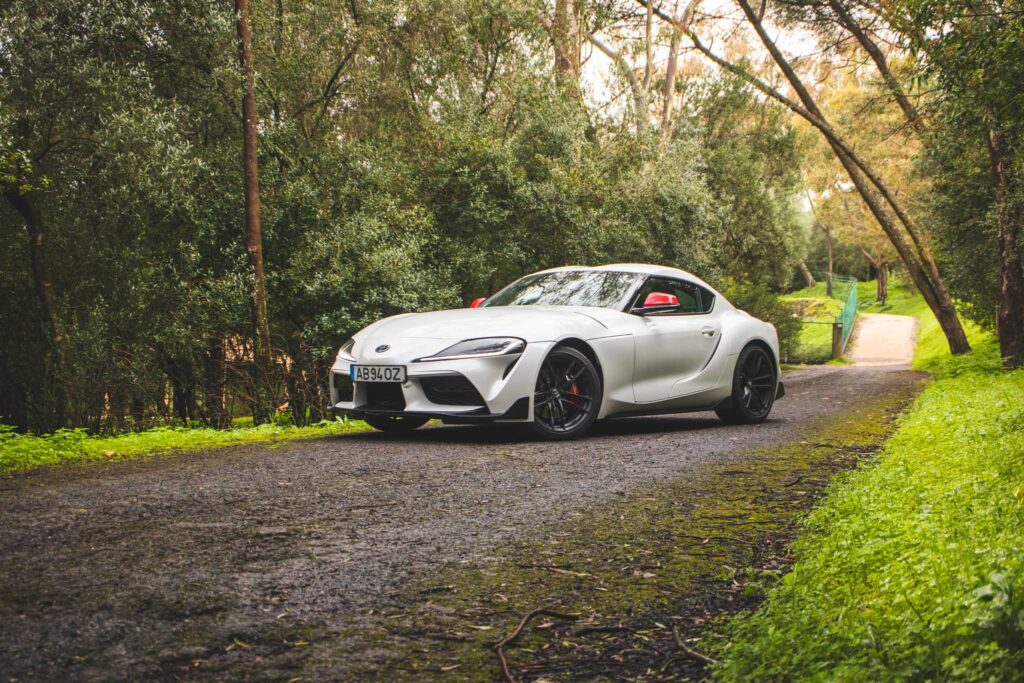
column 561, row 348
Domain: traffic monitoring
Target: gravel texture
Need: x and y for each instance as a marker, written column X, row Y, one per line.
column 126, row 570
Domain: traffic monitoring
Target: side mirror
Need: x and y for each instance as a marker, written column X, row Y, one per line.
column 660, row 299
column 476, row 302
column 657, row 302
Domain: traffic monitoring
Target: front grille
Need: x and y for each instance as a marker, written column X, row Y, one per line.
column 343, row 385
column 384, row 396
column 451, row 390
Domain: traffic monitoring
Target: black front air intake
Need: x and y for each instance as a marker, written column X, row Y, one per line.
column 451, row 390
column 384, row 396
column 343, row 385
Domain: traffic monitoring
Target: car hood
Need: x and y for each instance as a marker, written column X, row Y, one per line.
column 531, row 323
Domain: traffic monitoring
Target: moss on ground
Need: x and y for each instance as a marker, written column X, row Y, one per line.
column 670, row 557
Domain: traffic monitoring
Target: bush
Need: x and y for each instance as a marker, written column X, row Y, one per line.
column 765, row 305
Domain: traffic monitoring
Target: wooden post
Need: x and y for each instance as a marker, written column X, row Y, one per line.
column 837, row 340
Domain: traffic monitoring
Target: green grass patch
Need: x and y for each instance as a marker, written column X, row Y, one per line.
column 913, row 568
column 813, row 343
column 24, row 451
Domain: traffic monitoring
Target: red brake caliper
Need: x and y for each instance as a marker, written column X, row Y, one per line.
column 574, row 390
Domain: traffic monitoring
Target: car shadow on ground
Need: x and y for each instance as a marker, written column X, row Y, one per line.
column 519, row 433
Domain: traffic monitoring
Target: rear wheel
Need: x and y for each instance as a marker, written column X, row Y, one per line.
column 753, row 388
column 394, row 424
column 567, row 395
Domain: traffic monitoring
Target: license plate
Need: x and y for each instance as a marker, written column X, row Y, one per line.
column 378, row 373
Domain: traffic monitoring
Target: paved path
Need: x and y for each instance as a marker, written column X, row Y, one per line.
column 883, row 339
column 122, row 571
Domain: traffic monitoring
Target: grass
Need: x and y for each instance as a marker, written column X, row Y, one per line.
column 913, row 568
column 813, row 344
column 25, row 451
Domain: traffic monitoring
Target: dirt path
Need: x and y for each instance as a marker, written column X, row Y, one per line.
column 191, row 565
column 883, row 339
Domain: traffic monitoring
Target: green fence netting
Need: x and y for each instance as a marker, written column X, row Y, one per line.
column 845, row 289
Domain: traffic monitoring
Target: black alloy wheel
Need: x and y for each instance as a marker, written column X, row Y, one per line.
column 394, row 424
column 753, row 388
column 567, row 395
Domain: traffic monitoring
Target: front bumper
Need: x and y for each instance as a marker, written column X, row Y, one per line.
column 519, row 412
column 498, row 387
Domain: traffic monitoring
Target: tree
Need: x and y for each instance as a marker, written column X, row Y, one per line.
column 888, row 211
column 968, row 55
column 253, row 236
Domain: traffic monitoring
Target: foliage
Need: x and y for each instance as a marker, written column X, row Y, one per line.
column 23, row 451
column 974, row 61
column 812, row 342
column 413, row 155
column 769, row 307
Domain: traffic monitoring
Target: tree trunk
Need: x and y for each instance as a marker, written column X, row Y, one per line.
column 669, row 92
column 1010, row 314
column 24, row 205
column 639, row 100
column 805, row 273
column 882, row 273
column 254, row 240
column 648, row 44
column 882, row 291
column 567, row 41
column 830, row 248
column 214, row 384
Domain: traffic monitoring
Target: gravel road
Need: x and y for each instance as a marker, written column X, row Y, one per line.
column 120, row 570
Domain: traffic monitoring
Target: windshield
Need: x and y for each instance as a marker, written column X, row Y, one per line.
column 601, row 288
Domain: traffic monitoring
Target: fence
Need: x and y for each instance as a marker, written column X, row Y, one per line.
column 826, row 328
column 848, row 315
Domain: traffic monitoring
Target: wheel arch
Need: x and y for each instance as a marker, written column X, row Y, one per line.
column 587, row 350
column 757, row 341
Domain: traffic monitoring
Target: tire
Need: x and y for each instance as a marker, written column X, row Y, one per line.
column 753, row 388
column 567, row 395
column 396, row 425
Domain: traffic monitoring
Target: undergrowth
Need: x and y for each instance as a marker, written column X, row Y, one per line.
column 913, row 568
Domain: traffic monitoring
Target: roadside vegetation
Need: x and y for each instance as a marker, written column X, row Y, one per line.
column 24, row 451
column 913, row 568
column 812, row 342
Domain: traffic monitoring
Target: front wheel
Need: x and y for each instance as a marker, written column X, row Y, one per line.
column 395, row 424
column 567, row 395
column 753, row 388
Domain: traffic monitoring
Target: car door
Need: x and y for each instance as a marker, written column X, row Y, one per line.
column 673, row 347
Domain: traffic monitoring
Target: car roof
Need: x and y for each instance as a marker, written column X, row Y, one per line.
column 642, row 268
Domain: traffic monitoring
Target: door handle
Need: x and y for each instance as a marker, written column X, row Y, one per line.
column 708, row 331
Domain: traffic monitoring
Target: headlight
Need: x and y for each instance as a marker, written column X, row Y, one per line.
column 479, row 348
column 347, row 351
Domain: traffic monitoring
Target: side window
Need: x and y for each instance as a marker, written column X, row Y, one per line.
column 707, row 300
column 692, row 299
